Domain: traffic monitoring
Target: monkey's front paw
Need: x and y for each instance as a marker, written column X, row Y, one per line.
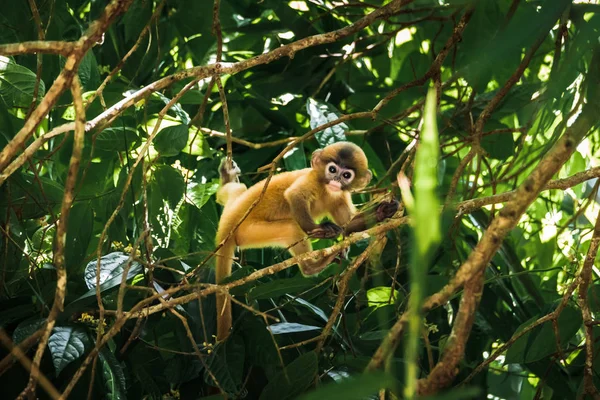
column 326, row 230
column 387, row 209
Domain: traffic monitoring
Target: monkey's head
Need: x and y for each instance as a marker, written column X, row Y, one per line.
column 342, row 166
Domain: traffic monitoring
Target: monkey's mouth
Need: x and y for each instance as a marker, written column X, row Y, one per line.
column 334, row 186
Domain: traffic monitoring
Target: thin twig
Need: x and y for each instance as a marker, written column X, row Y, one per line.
column 61, row 235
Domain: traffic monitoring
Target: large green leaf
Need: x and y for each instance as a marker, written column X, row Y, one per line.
column 171, row 140
column 116, row 138
column 322, row 113
column 167, row 185
column 112, row 266
column 355, row 387
column 113, row 377
column 79, row 234
column 227, row 365
column 293, row 379
column 541, row 341
column 67, row 344
column 17, row 84
column 280, row 287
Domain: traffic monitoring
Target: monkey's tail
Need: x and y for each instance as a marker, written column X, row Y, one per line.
column 223, row 270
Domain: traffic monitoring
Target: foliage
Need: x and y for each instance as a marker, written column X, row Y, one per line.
column 510, row 77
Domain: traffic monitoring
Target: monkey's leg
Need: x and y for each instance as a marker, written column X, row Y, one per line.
column 284, row 233
column 310, row 267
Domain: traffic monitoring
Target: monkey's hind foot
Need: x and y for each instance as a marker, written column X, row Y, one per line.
column 229, row 174
column 387, row 210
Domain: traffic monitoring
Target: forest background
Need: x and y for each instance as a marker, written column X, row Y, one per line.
column 114, row 117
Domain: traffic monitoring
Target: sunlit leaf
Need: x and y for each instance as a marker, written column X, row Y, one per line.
column 322, row 113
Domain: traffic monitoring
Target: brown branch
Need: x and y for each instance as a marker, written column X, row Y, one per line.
column 200, row 72
column 39, row 46
column 445, row 370
column 132, row 50
column 468, row 206
column 228, row 135
column 211, row 289
column 142, row 308
column 20, row 355
column 121, row 202
column 61, row 235
column 252, row 145
column 23, row 347
column 64, row 79
column 546, row 318
column 504, row 222
column 586, row 275
column 343, row 285
column 437, row 63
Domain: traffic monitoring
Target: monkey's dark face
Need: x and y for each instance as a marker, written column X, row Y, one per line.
column 342, row 166
column 338, row 177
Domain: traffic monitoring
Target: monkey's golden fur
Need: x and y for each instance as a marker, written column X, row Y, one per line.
column 286, row 213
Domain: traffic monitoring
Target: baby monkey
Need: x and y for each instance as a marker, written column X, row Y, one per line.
column 285, row 216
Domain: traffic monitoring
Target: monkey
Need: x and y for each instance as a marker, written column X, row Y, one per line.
column 285, row 216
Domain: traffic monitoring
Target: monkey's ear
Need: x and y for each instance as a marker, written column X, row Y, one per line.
column 315, row 160
column 364, row 181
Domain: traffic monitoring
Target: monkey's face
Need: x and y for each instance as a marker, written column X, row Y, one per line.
column 342, row 166
column 338, row 177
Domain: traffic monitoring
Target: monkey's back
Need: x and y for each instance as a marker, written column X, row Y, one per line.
column 272, row 207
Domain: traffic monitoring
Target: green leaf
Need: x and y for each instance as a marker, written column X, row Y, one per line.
column 426, row 231
column 540, row 342
column 293, row 379
column 198, row 194
column 88, row 72
column 115, row 384
column 79, row 234
column 355, row 387
column 381, row 295
column 179, row 370
column 117, row 139
column 169, row 183
column 17, row 84
column 295, row 158
column 136, row 18
column 427, row 218
column 176, row 108
column 227, row 365
column 319, row 312
column 322, row 113
column 27, row 328
column 291, row 327
column 280, row 287
column 89, row 297
column 66, row 345
column 260, row 348
column 498, row 145
column 148, row 382
column 171, row 140
column 112, row 266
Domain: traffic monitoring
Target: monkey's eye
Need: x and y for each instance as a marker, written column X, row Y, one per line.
column 332, row 169
column 348, row 175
